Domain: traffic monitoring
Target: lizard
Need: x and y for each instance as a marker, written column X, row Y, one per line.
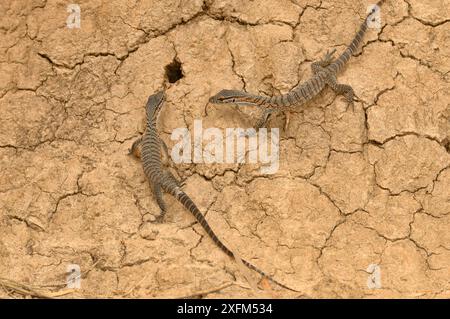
column 148, row 149
column 324, row 74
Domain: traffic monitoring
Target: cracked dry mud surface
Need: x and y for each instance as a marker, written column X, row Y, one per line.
column 354, row 188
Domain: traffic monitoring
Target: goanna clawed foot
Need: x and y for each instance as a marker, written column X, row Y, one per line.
column 346, row 90
column 328, row 58
column 160, row 218
column 182, row 183
column 350, row 97
column 260, row 123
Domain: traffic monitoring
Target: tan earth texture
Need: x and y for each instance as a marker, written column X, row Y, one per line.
column 360, row 205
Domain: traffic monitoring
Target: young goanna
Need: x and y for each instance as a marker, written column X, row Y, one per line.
column 324, row 73
column 148, row 148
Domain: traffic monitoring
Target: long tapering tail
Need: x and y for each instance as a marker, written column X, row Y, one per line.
column 337, row 65
column 190, row 205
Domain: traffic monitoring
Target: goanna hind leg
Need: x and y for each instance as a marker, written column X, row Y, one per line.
column 168, row 162
column 173, row 180
column 343, row 89
column 135, row 150
column 157, row 191
column 328, row 58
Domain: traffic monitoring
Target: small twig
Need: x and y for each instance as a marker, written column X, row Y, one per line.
column 205, row 292
column 39, row 292
column 26, row 290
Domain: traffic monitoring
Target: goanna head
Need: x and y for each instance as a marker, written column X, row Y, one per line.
column 154, row 104
column 228, row 96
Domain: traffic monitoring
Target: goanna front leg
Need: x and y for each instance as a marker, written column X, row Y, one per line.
column 265, row 117
column 327, row 59
column 262, row 121
column 343, row 89
column 170, row 180
column 136, row 148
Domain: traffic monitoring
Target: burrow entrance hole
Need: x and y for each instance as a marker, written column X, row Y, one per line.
column 173, row 71
column 446, row 143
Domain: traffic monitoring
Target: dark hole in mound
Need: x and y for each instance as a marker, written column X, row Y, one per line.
column 173, row 71
column 446, row 143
